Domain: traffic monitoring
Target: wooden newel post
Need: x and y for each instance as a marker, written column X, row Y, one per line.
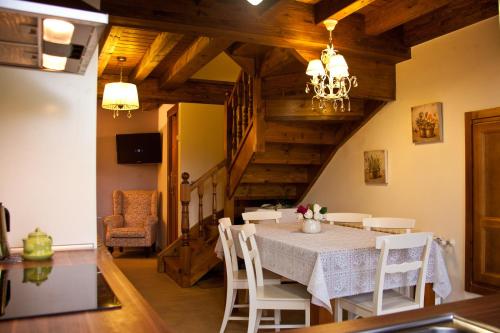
column 185, row 197
column 214, row 199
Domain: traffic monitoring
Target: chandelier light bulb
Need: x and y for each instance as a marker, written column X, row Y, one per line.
column 315, row 68
column 337, row 66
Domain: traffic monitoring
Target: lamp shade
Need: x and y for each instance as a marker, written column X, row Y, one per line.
column 337, row 66
column 254, row 2
column 54, row 63
column 315, row 68
column 120, row 96
column 57, row 31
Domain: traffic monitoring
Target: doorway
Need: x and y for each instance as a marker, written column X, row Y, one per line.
column 173, row 174
column 482, row 132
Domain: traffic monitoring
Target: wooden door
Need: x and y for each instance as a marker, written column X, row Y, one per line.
column 173, row 175
column 483, row 208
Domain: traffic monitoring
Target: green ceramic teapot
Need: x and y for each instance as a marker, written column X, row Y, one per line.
column 38, row 246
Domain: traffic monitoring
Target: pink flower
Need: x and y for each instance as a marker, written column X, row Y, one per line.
column 301, row 209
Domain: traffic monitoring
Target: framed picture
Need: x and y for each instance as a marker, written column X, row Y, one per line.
column 376, row 167
column 427, row 123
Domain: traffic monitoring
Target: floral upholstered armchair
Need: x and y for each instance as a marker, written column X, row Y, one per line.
column 134, row 220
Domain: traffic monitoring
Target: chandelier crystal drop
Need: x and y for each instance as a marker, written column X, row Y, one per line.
column 330, row 78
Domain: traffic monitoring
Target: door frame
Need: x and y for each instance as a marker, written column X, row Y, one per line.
column 472, row 118
column 172, row 184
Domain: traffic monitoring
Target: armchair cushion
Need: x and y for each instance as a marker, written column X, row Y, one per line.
column 150, row 220
column 128, row 232
column 113, row 221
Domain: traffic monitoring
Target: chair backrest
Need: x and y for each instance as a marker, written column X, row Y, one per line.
column 261, row 215
column 401, row 242
column 135, row 206
column 346, row 217
column 389, row 223
column 226, row 238
column 251, row 256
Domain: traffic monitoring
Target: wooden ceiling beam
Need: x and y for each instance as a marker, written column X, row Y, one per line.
column 192, row 91
column 279, row 61
column 292, row 26
column 454, row 16
column 200, row 53
column 247, row 64
column 108, row 48
column 398, row 12
column 337, row 9
column 161, row 46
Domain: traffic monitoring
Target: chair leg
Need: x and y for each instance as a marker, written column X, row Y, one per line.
column 308, row 315
column 110, row 249
column 338, row 311
column 252, row 318
column 230, row 297
column 257, row 321
column 277, row 319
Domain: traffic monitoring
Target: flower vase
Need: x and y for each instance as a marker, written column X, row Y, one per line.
column 310, row 226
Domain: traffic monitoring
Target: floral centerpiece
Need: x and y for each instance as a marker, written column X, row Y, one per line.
column 312, row 215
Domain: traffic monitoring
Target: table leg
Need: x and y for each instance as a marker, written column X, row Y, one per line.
column 320, row 315
column 429, row 295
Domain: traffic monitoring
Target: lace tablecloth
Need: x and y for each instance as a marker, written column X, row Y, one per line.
column 337, row 262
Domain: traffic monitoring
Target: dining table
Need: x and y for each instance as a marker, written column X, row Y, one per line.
column 337, row 262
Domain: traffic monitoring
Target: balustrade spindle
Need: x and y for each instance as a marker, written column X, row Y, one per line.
column 235, row 125
column 244, row 89
column 214, row 199
column 201, row 231
column 250, row 96
column 239, row 112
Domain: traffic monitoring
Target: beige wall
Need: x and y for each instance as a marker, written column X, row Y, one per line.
column 110, row 174
column 201, row 146
column 221, row 68
column 426, row 182
column 48, row 153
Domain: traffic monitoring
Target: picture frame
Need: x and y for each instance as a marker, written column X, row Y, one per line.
column 375, row 167
column 427, row 123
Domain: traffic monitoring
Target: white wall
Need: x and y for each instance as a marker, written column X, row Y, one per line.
column 48, row 153
column 426, row 182
column 201, row 146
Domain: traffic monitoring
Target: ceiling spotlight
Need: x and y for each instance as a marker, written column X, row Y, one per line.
column 254, row 2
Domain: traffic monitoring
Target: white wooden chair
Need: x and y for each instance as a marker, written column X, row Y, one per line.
column 236, row 278
column 389, row 223
column 382, row 301
column 263, row 296
column 261, row 215
column 346, row 217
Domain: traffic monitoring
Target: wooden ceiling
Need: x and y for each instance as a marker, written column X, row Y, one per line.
column 166, row 42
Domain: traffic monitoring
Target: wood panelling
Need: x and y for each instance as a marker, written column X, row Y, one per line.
column 337, row 9
column 398, row 12
column 158, row 50
column 455, row 15
column 200, row 53
column 279, row 61
column 193, row 91
column 277, row 153
column 301, row 109
column 281, row 174
column 291, row 132
column 292, row 26
column 266, row 191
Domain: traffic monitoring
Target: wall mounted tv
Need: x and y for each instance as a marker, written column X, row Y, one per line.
column 138, row 148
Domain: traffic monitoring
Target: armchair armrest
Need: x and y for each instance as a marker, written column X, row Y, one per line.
column 150, row 220
column 113, row 221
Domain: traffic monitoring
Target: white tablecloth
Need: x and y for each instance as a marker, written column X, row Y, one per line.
column 339, row 261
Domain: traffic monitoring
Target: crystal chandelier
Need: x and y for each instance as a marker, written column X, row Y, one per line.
column 120, row 96
column 330, row 78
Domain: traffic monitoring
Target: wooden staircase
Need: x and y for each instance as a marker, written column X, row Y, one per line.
column 192, row 255
column 276, row 145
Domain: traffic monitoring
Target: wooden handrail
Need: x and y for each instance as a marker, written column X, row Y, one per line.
column 208, row 174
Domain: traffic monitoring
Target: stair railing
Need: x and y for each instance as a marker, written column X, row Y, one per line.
column 239, row 115
column 199, row 185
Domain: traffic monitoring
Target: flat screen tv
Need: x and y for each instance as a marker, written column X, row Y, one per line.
column 138, row 148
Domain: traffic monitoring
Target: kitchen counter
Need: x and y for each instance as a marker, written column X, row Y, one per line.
column 483, row 309
column 135, row 315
